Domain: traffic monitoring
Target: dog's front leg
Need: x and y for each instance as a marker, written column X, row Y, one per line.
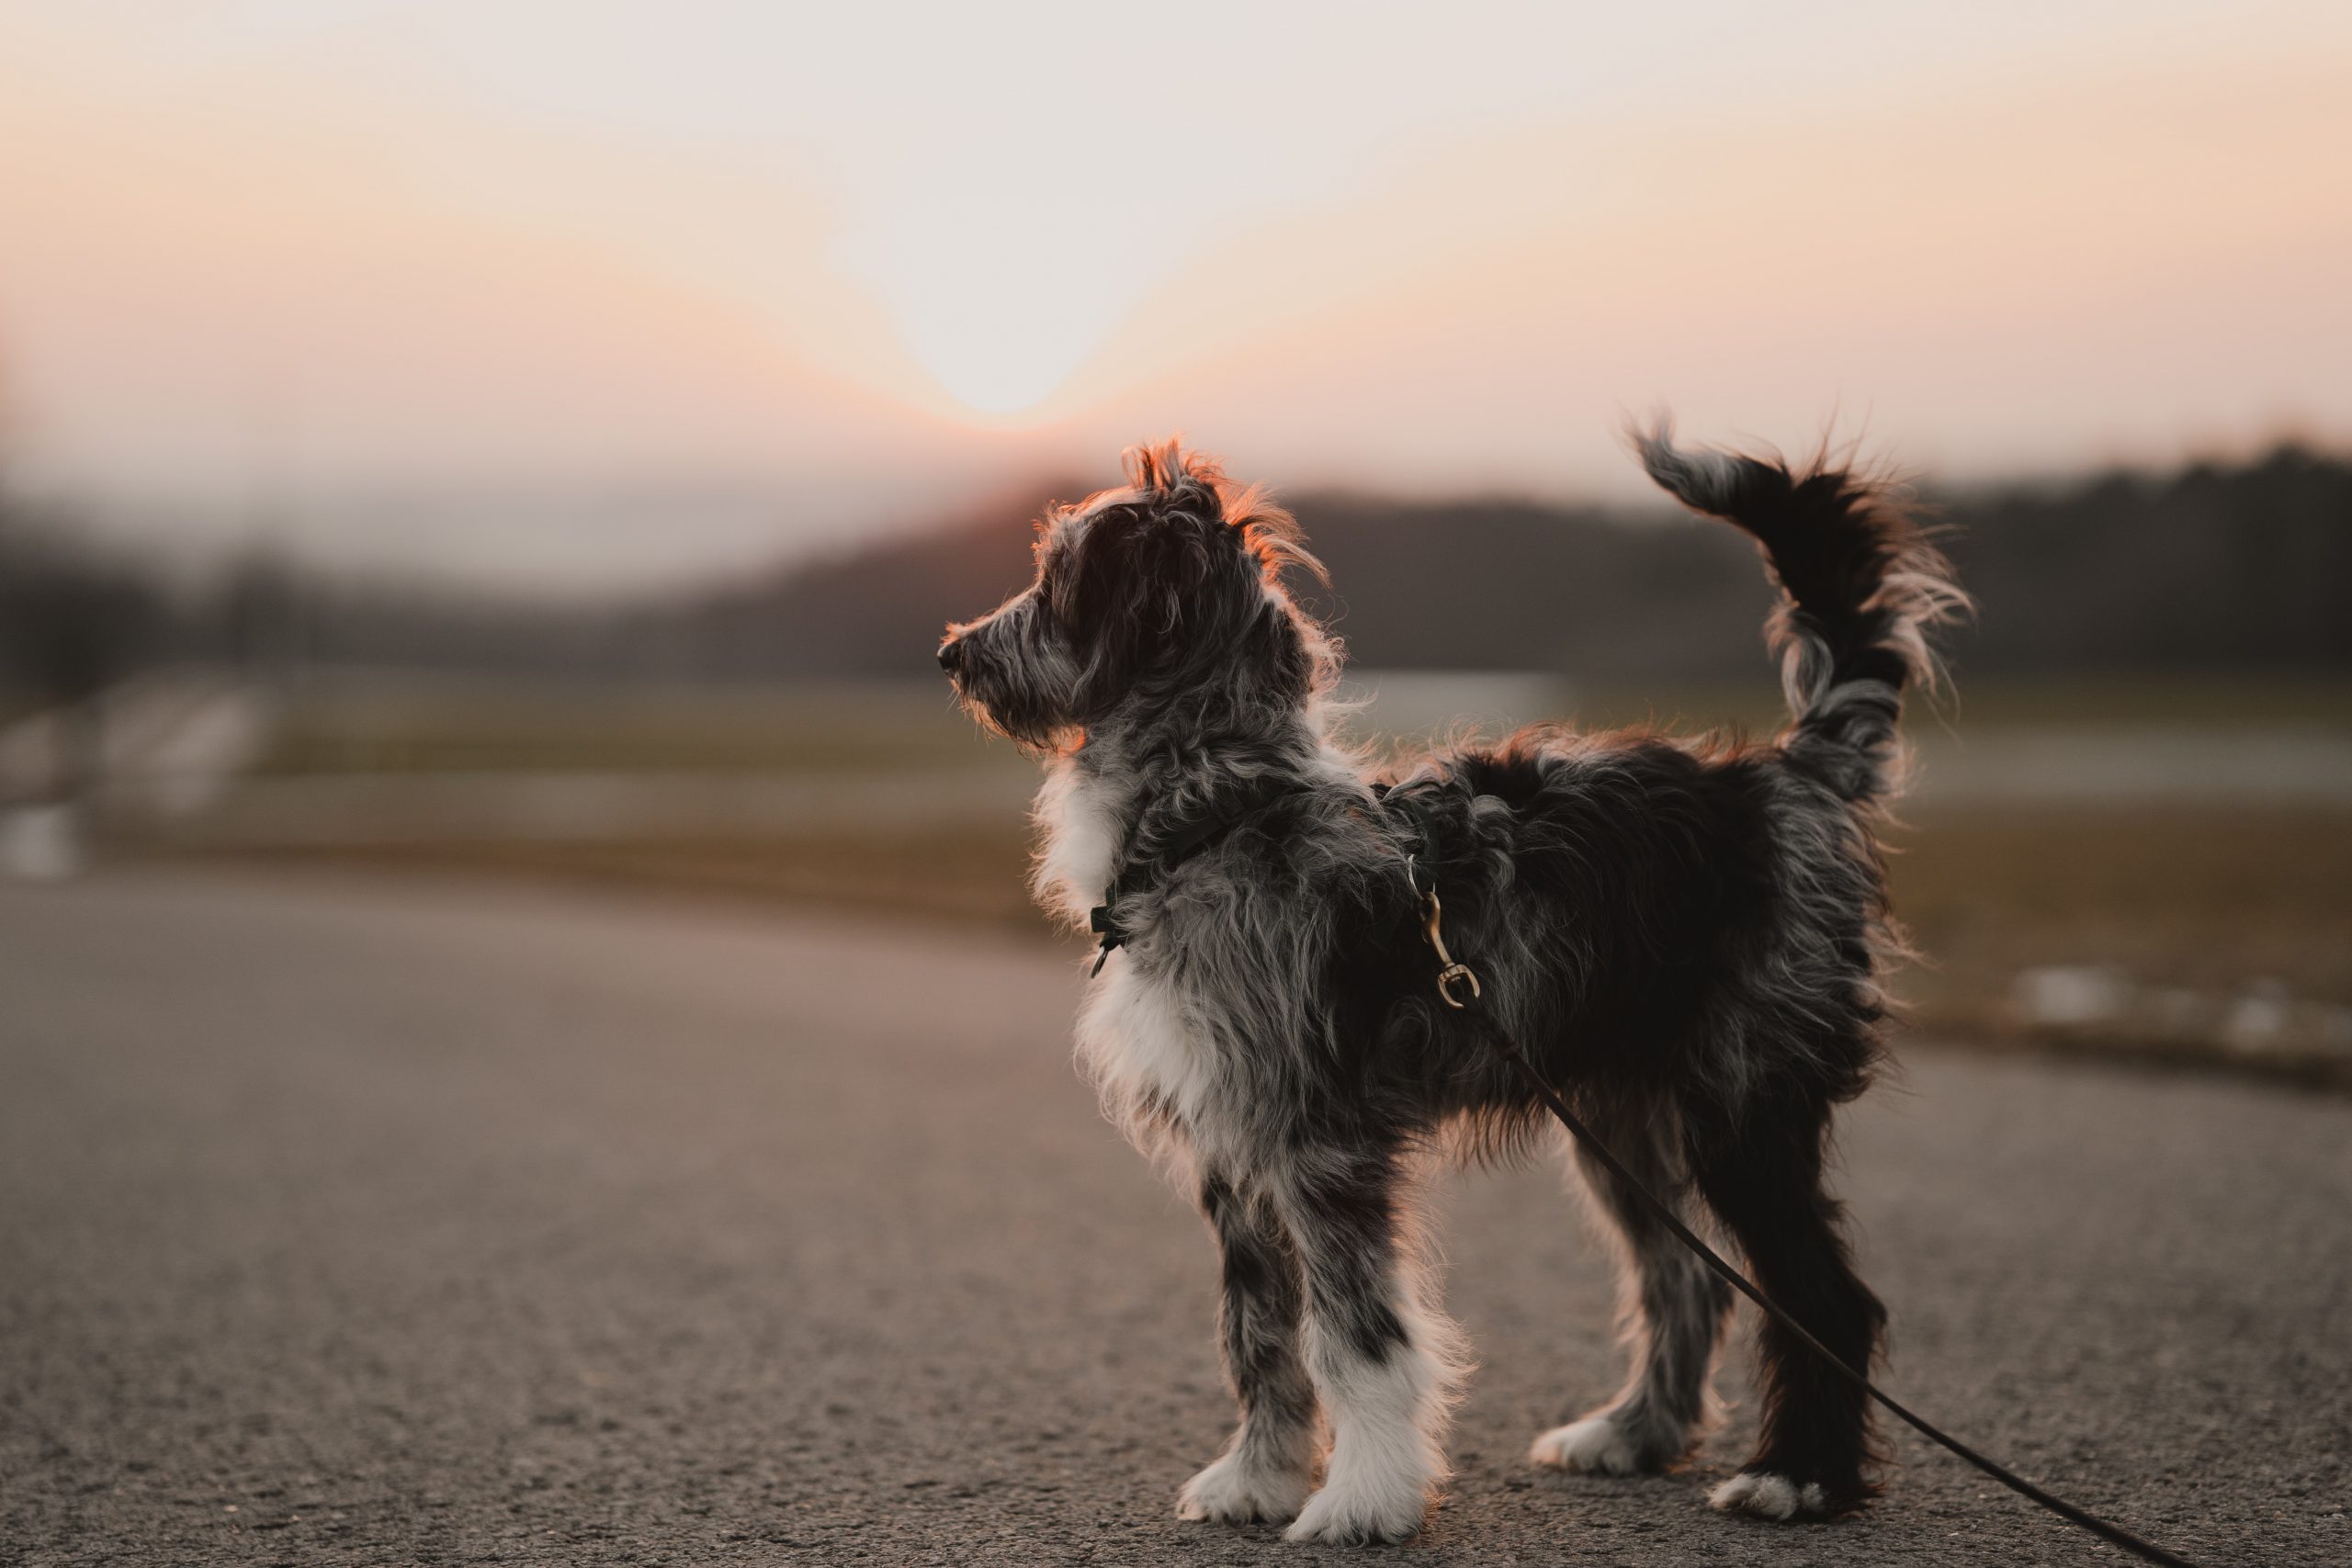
column 1383, row 1359
column 1267, row 1470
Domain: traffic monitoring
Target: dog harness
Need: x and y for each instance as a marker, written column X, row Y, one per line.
column 1189, row 839
column 1408, row 820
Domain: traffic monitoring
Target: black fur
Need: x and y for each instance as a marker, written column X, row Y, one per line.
column 1686, row 934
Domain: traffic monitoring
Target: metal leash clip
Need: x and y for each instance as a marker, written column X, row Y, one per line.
column 1453, row 971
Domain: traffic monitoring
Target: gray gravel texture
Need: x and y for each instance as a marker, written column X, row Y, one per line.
column 350, row 1221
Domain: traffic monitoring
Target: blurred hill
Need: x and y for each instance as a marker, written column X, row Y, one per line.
column 2210, row 568
column 2215, row 567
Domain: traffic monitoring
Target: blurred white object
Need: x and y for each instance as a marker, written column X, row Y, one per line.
column 161, row 746
column 2073, row 993
column 190, row 750
column 2259, row 1016
column 40, row 843
column 1425, row 704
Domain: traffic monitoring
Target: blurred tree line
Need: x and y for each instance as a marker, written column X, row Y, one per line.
column 2215, row 567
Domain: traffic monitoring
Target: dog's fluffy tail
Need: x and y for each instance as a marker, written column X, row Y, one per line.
column 1862, row 588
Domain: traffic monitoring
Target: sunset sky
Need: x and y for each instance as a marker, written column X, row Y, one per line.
column 583, row 295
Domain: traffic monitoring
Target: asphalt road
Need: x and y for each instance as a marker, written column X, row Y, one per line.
column 392, row 1222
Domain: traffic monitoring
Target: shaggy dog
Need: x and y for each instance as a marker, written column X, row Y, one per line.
column 1686, row 935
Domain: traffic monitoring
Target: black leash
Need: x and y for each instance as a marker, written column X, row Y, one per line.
column 1470, row 1006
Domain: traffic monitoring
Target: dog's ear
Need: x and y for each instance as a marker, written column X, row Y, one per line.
column 1145, row 581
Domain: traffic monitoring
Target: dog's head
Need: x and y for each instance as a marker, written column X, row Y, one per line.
column 1163, row 593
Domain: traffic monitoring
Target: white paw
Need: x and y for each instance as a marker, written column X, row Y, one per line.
column 1230, row 1493
column 1350, row 1515
column 1594, row 1446
column 1768, row 1496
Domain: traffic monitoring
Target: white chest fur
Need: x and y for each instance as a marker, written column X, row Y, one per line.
column 1136, row 1036
column 1080, row 825
column 1142, row 1049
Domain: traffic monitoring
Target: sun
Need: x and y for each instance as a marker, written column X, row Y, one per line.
column 1002, row 354
column 1000, row 307
column 1001, row 333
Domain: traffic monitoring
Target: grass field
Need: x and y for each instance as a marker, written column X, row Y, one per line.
column 2198, row 903
column 359, row 725
column 2202, row 928
column 2199, row 700
column 2194, row 928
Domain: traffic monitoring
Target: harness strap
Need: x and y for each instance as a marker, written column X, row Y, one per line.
column 1136, row 876
column 1420, row 865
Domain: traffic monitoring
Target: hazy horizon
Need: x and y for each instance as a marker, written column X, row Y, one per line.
column 574, row 299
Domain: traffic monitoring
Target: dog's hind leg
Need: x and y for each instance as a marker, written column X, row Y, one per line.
column 1760, row 1170
column 1385, row 1359
column 1268, row 1469
column 1671, row 1308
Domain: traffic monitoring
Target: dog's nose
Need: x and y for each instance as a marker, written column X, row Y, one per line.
column 951, row 655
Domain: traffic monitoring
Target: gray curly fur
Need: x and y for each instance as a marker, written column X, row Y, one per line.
column 1686, row 933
